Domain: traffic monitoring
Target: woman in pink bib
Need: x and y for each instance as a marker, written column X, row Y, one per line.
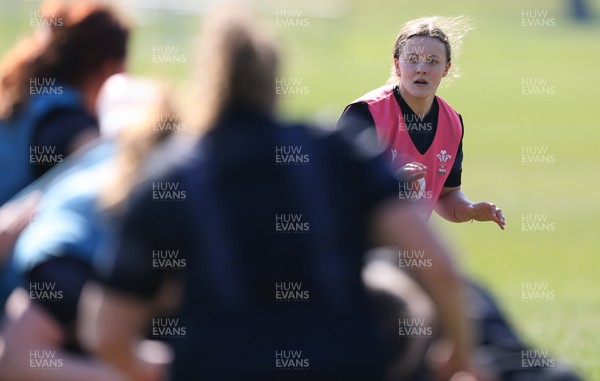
column 421, row 133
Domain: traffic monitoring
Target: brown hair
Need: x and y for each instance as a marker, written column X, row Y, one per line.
column 237, row 66
column 448, row 30
column 83, row 36
column 421, row 28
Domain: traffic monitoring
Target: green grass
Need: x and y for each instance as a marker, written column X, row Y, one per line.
column 340, row 58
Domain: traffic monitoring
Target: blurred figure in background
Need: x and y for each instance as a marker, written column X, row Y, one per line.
column 581, row 10
column 49, row 84
column 54, row 254
column 228, row 227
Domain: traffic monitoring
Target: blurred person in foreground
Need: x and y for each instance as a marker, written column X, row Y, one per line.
column 54, row 254
column 229, row 227
column 49, row 84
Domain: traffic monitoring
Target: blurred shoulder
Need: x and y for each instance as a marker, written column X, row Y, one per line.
column 343, row 143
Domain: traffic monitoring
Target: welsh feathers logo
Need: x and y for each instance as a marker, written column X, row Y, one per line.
column 443, row 158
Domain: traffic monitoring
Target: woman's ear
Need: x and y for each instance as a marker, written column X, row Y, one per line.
column 397, row 66
column 448, row 66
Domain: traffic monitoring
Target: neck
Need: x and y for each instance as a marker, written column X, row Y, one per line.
column 420, row 106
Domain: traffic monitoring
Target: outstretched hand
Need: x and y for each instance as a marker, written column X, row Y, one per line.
column 486, row 211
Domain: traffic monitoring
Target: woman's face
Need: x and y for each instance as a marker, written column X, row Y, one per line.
column 421, row 66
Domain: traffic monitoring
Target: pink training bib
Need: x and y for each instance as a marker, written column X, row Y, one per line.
column 393, row 136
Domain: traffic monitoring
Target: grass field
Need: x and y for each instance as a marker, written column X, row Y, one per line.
column 338, row 50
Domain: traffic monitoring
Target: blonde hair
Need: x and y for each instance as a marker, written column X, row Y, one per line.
column 237, row 67
column 450, row 31
column 134, row 143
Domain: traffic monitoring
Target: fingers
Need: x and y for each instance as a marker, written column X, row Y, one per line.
column 497, row 216
column 490, row 212
column 414, row 166
column 412, row 171
column 501, row 221
column 415, row 176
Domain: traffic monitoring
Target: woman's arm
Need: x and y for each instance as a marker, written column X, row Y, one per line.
column 400, row 226
column 454, row 206
column 111, row 325
column 33, row 341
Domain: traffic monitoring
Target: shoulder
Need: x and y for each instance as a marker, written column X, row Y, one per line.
column 62, row 127
column 340, row 145
column 165, row 165
column 379, row 94
column 354, row 164
column 67, row 117
column 356, row 109
column 68, row 99
column 458, row 120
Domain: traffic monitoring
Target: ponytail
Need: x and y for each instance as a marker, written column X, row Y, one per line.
column 75, row 40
